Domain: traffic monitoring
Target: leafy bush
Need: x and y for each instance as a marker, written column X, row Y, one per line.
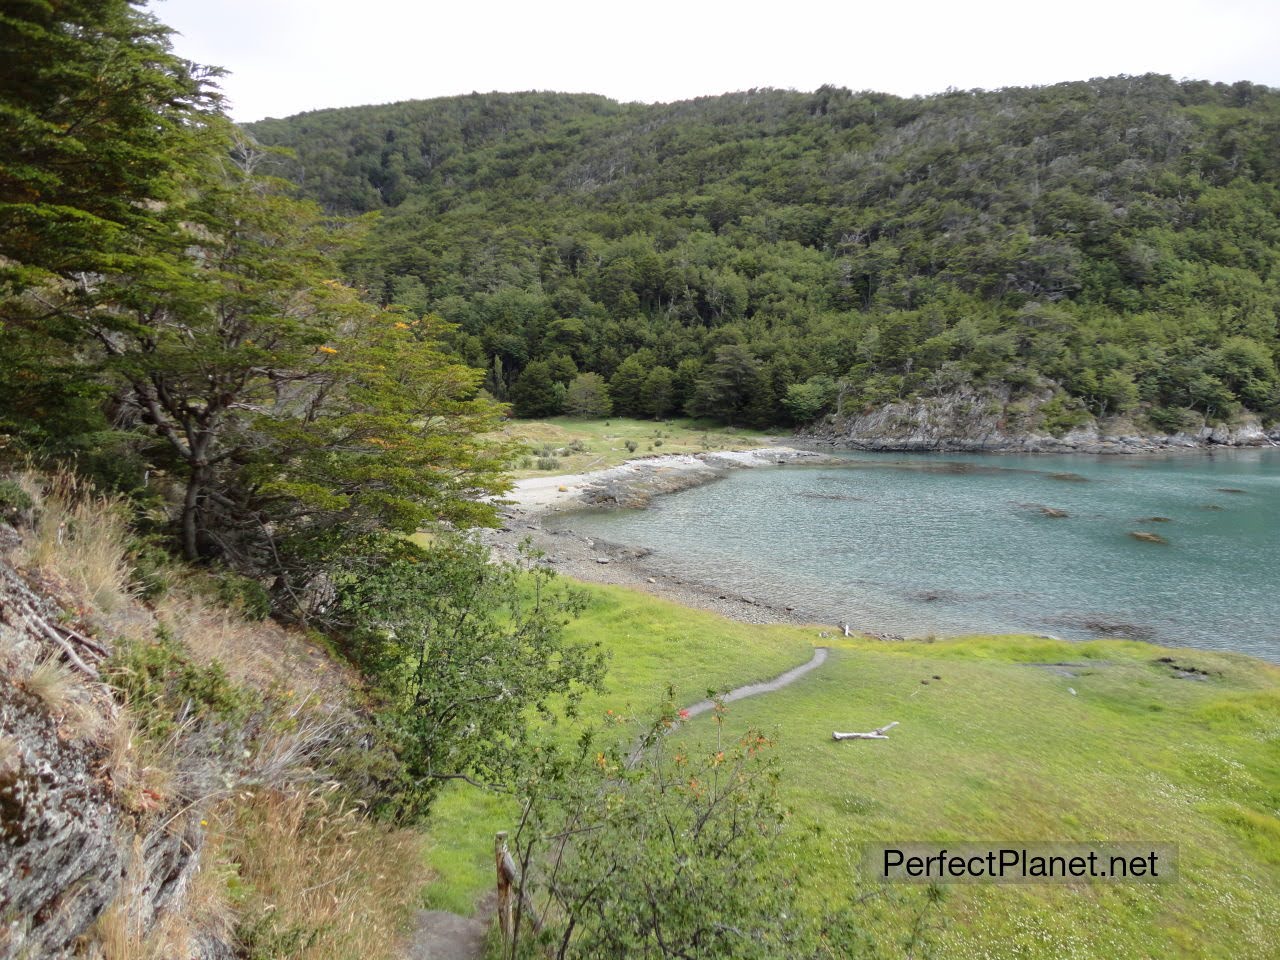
column 243, row 594
column 162, row 685
column 1062, row 415
column 14, row 501
column 459, row 652
column 665, row 849
column 1171, row 419
column 153, row 571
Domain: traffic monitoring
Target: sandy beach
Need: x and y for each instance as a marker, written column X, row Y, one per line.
column 632, row 485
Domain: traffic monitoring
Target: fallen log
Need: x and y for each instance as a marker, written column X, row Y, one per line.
column 877, row 734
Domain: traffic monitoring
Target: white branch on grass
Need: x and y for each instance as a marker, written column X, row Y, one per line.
column 877, row 734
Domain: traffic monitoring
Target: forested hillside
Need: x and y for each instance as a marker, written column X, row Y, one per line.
column 763, row 257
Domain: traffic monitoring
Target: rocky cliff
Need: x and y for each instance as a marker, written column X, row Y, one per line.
column 72, row 845
column 977, row 421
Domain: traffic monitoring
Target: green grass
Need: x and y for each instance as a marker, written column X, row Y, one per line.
column 604, row 442
column 997, row 749
column 653, row 644
column 1000, row 749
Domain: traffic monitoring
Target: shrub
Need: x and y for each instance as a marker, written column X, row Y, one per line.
column 1171, row 419
column 666, row 849
column 243, row 594
column 1061, row 415
column 467, row 713
column 153, row 572
column 547, row 463
column 631, row 446
column 15, row 503
column 161, row 685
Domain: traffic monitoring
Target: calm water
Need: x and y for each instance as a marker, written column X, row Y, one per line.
column 944, row 543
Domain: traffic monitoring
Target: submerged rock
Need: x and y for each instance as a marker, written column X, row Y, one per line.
column 1102, row 626
column 1147, row 537
column 1051, row 512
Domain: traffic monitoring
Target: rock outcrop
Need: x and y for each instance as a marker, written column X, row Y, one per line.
column 975, row 421
column 637, row 482
column 69, row 848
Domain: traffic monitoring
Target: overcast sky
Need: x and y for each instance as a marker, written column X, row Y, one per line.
column 287, row 56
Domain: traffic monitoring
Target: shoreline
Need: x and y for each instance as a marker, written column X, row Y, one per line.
column 632, row 485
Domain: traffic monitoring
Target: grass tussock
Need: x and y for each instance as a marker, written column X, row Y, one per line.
column 79, row 538
column 318, row 880
column 123, row 933
column 67, row 698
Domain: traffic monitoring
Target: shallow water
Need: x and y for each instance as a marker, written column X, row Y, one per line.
column 955, row 543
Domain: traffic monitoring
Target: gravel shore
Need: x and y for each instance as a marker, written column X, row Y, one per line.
column 632, row 485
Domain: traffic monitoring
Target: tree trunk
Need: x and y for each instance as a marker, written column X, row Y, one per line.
column 191, row 514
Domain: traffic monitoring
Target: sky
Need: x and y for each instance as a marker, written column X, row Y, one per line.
column 288, row 56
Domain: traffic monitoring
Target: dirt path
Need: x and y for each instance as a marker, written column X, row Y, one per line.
column 765, row 686
column 441, row 935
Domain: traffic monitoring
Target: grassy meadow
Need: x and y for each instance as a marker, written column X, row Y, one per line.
column 579, row 445
column 999, row 749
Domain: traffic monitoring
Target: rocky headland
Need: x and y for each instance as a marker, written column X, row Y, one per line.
column 971, row 421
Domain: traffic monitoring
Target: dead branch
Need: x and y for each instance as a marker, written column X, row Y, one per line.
column 40, row 626
column 877, row 734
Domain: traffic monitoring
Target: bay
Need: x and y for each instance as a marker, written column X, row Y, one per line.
column 948, row 544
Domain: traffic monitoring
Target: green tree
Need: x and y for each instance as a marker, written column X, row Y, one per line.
column 809, row 400
column 291, row 414
column 99, row 123
column 460, row 651
column 97, row 120
column 563, row 369
column 534, row 392
column 588, row 396
column 729, row 386
column 658, row 394
column 626, row 386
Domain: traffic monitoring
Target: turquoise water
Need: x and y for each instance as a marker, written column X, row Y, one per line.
column 946, row 544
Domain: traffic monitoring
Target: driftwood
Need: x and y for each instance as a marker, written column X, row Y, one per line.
column 877, row 734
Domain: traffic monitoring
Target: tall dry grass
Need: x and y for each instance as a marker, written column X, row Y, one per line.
column 284, row 864
column 326, row 882
column 80, row 537
column 121, row 933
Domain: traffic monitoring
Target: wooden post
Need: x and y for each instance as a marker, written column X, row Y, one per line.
column 501, row 858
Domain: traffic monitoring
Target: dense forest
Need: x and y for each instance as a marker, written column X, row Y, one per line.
column 764, row 257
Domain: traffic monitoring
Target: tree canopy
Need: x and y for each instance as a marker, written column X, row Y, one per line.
column 1112, row 242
